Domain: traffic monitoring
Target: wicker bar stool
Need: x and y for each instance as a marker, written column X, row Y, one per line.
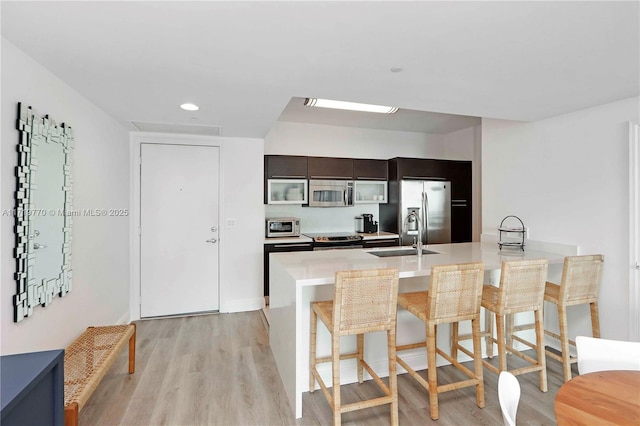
column 454, row 295
column 580, row 284
column 522, row 284
column 364, row 301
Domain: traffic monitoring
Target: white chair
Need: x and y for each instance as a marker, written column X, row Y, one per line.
column 509, row 396
column 602, row 355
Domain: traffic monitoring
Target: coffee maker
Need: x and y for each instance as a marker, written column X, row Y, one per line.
column 370, row 227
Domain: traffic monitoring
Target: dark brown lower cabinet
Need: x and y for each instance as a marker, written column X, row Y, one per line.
column 280, row 248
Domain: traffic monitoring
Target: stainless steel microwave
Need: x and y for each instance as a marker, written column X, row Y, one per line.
column 282, row 227
column 330, row 193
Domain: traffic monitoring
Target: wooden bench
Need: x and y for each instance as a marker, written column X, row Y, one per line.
column 88, row 359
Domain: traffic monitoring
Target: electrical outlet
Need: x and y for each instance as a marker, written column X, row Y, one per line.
column 231, row 223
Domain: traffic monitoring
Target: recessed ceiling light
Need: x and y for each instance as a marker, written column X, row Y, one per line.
column 396, row 69
column 190, row 107
column 352, row 106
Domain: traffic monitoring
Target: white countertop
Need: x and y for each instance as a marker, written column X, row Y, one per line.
column 288, row 240
column 378, row 235
column 319, row 267
column 305, row 239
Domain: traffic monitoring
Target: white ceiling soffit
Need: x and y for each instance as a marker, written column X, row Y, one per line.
column 242, row 62
column 189, row 129
column 403, row 120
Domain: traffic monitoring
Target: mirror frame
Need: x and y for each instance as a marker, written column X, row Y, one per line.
column 34, row 131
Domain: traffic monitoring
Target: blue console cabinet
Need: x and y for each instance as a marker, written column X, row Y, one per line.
column 32, row 390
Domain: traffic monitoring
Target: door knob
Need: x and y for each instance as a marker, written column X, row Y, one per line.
column 212, row 241
column 37, row 246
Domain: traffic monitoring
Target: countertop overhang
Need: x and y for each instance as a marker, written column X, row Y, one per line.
column 319, row 267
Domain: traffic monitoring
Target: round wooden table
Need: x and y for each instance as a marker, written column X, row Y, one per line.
column 601, row 398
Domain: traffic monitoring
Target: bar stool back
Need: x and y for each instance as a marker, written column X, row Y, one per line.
column 454, row 295
column 521, row 289
column 364, row 301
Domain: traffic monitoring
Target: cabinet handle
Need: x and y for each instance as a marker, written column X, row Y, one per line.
column 459, row 205
column 458, row 201
column 379, row 241
column 289, row 176
column 370, row 178
column 424, row 177
column 332, row 177
column 291, row 245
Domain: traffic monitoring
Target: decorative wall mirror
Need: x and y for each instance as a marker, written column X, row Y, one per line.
column 43, row 211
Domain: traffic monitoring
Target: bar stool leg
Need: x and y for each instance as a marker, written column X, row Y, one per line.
column 454, row 340
column 477, row 360
column 393, row 379
column 312, row 352
column 564, row 342
column 595, row 324
column 335, row 364
column 509, row 319
column 360, row 340
column 540, row 349
column 488, row 326
column 432, row 375
column 502, row 353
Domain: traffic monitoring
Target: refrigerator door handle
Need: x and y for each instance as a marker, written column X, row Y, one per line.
column 425, row 217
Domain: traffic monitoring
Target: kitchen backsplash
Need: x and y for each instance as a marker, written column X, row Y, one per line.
column 323, row 219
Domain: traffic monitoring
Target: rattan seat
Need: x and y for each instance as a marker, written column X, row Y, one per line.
column 88, row 359
column 522, row 284
column 453, row 296
column 364, row 301
column 580, row 284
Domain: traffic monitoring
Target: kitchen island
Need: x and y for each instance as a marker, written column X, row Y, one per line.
column 302, row 277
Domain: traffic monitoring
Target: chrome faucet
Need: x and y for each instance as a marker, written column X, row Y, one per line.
column 418, row 240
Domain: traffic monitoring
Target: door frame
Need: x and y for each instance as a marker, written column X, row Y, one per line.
column 136, row 140
column 634, row 231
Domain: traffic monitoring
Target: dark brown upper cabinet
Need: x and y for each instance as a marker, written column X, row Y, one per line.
column 285, row 167
column 364, row 169
column 330, row 168
column 416, row 168
column 459, row 173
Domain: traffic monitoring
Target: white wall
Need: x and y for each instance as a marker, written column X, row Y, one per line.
column 100, row 247
column 241, row 202
column 292, row 138
column 567, row 178
column 289, row 138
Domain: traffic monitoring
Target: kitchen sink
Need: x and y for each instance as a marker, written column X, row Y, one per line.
column 400, row 252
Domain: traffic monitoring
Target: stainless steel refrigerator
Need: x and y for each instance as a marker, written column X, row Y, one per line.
column 431, row 200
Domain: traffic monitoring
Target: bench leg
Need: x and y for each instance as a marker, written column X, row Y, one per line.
column 132, row 351
column 71, row 414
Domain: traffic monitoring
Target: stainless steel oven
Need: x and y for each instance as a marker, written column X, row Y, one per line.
column 335, row 240
column 330, row 193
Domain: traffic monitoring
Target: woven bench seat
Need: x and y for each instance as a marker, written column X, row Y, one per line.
column 88, row 359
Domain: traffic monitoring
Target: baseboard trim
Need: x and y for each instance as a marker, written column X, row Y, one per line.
column 242, row 305
column 125, row 319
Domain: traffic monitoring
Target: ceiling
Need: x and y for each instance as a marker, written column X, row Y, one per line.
column 246, row 63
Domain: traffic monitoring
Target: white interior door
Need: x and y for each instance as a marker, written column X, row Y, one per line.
column 179, row 229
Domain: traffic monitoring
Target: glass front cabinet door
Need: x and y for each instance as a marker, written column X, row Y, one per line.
column 370, row 192
column 287, row 191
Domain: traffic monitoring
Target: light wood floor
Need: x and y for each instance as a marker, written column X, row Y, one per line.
column 219, row 370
